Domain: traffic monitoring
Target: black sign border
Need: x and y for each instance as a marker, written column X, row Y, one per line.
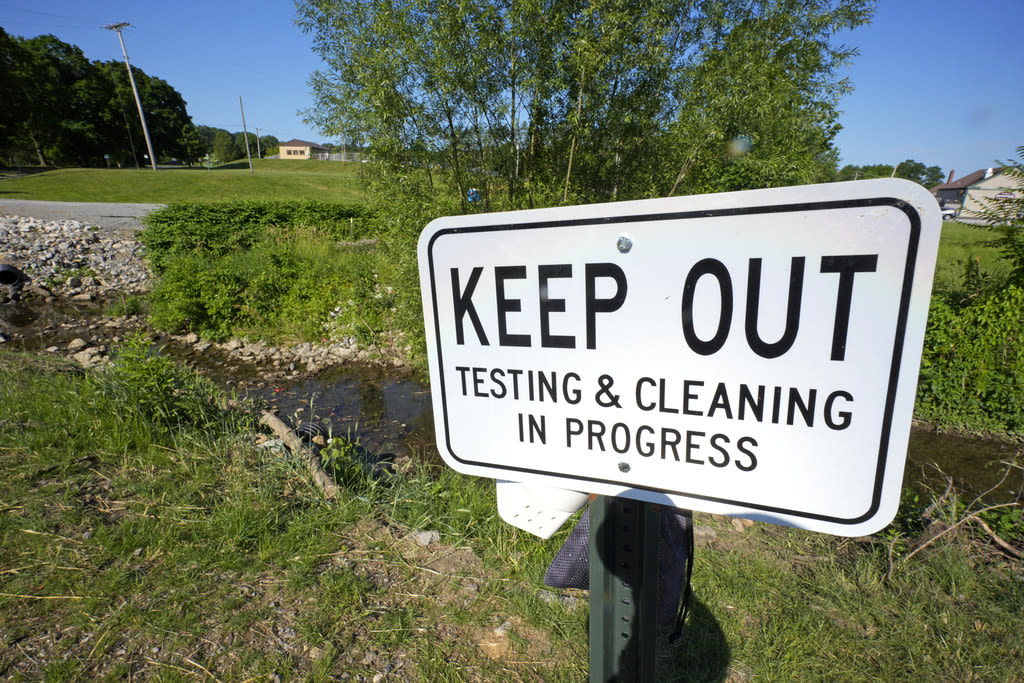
column 894, row 369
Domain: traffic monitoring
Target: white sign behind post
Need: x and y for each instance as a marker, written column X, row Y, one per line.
column 750, row 353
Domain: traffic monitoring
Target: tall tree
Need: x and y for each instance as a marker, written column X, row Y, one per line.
column 269, row 144
column 240, row 139
column 14, row 61
column 759, row 102
column 60, row 98
column 536, row 102
column 224, row 147
column 74, row 111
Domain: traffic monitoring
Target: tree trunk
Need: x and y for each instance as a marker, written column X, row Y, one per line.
column 572, row 145
column 39, row 150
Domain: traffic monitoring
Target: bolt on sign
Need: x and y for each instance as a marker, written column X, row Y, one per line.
column 749, row 353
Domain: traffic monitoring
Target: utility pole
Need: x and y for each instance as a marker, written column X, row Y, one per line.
column 258, row 155
column 245, row 134
column 138, row 102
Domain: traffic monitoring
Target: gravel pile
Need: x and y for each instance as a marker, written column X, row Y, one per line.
column 75, row 261
column 67, row 258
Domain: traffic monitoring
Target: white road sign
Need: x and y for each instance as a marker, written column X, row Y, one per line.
column 749, row 353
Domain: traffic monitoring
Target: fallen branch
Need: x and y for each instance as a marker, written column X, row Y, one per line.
column 312, row 460
column 1007, row 548
column 954, row 527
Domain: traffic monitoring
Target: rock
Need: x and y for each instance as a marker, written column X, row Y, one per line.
column 567, row 601
column 48, row 250
column 425, row 538
column 88, row 357
column 76, row 345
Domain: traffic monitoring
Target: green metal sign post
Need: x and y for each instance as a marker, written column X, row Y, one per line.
column 624, row 536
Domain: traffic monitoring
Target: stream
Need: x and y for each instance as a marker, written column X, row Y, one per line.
column 387, row 412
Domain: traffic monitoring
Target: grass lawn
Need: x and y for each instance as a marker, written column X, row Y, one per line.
column 273, row 179
column 961, row 244
column 133, row 549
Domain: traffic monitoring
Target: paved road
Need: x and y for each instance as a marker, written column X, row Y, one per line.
column 105, row 215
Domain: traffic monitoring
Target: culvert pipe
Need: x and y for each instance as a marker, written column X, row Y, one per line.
column 10, row 275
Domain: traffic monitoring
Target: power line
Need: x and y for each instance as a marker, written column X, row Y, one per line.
column 83, row 22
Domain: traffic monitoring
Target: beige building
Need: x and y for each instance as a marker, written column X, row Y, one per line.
column 300, row 149
column 990, row 190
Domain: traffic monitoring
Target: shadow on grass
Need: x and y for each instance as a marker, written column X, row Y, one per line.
column 701, row 653
column 7, row 172
column 233, row 166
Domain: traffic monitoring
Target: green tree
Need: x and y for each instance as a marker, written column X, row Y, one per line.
column 759, row 104
column 929, row 176
column 61, row 97
column 269, row 145
column 240, row 143
column 540, row 102
column 76, row 112
column 207, row 134
column 191, row 146
column 170, row 126
column 224, row 147
column 13, row 65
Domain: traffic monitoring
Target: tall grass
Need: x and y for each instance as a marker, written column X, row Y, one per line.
column 167, row 547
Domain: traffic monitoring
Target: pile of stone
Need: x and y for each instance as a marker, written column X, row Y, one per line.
column 69, row 259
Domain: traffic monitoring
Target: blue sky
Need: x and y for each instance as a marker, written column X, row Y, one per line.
column 938, row 81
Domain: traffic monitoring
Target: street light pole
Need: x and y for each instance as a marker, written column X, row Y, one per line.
column 258, row 155
column 138, row 102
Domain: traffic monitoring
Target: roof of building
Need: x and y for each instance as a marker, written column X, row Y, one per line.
column 295, row 142
column 968, row 180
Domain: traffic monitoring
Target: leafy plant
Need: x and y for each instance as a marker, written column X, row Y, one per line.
column 972, row 367
column 219, row 228
column 125, row 306
column 294, row 284
column 142, row 385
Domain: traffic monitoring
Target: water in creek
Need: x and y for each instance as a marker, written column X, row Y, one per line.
column 393, row 415
column 386, row 413
column 390, row 414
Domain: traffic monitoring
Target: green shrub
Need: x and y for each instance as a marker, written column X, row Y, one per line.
column 972, row 369
column 216, row 229
column 144, row 387
column 296, row 285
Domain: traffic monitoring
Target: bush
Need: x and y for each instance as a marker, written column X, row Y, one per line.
column 297, row 285
column 217, row 229
column 972, row 368
column 146, row 388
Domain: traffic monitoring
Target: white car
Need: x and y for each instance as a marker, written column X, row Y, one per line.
column 948, row 214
